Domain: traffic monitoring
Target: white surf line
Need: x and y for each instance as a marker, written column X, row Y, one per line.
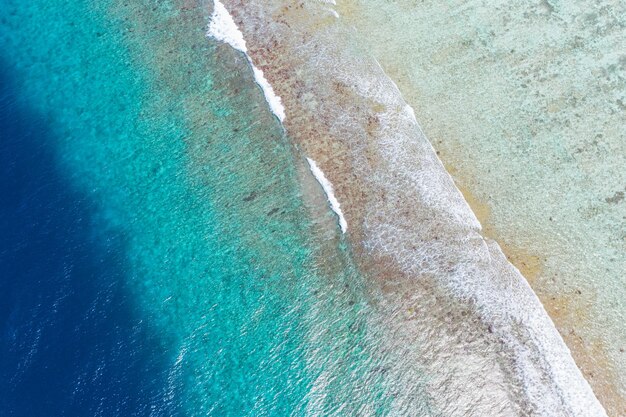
column 328, row 190
column 224, row 29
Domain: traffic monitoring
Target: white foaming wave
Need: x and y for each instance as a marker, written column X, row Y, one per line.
column 224, row 29
column 328, row 189
column 275, row 103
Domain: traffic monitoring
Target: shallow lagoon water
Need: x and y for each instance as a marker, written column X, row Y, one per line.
column 524, row 104
column 240, row 295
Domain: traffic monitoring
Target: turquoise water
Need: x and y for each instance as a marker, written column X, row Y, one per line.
column 168, row 251
column 168, row 137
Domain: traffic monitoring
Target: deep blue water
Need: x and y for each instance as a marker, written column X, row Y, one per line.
column 71, row 340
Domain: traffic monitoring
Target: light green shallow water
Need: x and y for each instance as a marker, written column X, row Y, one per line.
column 524, row 102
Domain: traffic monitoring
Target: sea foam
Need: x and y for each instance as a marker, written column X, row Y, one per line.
column 328, row 189
column 224, row 29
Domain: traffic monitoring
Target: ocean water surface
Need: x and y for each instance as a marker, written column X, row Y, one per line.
column 157, row 256
column 197, row 226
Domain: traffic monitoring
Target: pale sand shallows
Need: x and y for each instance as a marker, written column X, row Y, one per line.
column 454, row 307
column 524, row 102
